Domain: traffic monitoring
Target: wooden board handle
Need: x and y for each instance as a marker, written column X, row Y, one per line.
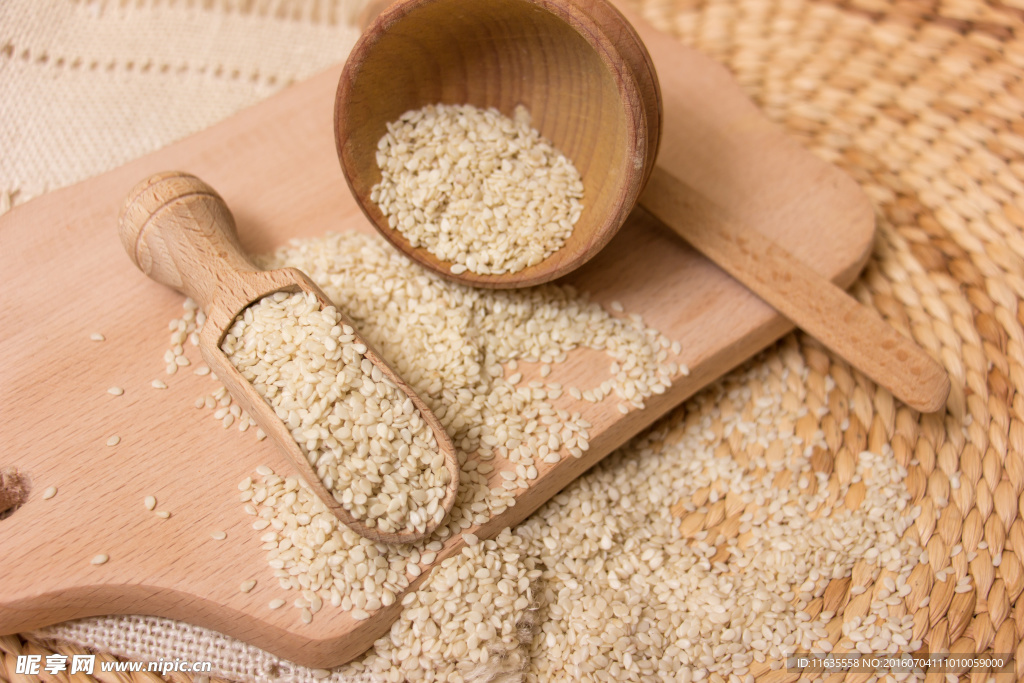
column 853, row 331
column 179, row 232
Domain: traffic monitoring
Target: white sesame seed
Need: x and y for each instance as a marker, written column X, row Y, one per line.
column 114, row 440
column 395, row 450
column 247, row 585
column 309, row 552
column 100, row 559
column 115, row 391
column 50, row 492
column 96, row 336
column 484, row 162
column 149, row 502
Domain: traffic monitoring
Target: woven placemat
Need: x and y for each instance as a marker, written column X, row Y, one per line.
column 921, row 102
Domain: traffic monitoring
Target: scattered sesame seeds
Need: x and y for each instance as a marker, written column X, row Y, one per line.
column 605, row 552
column 50, row 492
column 472, row 338
column 114, row 440
column 100, row 559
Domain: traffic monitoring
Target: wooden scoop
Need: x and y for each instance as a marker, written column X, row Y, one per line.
column 583, row 72
column 179, row 232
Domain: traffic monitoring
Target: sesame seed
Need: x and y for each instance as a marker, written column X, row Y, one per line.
column 477, row 193
column 100, row 559
column 96, row 336
column 247, row 586
column 114, row 440
column 149, row 502
column 115, row 391
column 455, row 327
column 397, row 477
column 50, row 492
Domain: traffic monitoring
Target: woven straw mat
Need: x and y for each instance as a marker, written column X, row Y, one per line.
column 920, row 101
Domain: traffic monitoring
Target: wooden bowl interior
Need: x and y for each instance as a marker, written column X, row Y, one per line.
column 500, row 53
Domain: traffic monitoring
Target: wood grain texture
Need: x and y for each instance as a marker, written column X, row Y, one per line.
column 180, row 233
column 275, row 165
column 576, row 65
column 849, row 329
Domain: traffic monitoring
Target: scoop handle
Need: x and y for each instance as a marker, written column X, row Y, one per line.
column 180, row 232
column 853, row 331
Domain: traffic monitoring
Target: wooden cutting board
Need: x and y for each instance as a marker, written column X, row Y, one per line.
column 67, row 277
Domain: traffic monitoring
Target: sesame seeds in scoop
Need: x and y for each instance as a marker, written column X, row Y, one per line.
column 364, row 437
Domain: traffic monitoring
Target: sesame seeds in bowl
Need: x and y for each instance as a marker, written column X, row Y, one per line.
column 485, row 193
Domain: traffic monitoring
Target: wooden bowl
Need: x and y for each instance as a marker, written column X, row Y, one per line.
column 578, row 67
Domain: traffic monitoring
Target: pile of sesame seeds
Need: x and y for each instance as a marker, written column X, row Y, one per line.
column 454, row 345
column 363, row 436
column 477, row 189
column 733, row 581
column 629, row 586
column 625, row 586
